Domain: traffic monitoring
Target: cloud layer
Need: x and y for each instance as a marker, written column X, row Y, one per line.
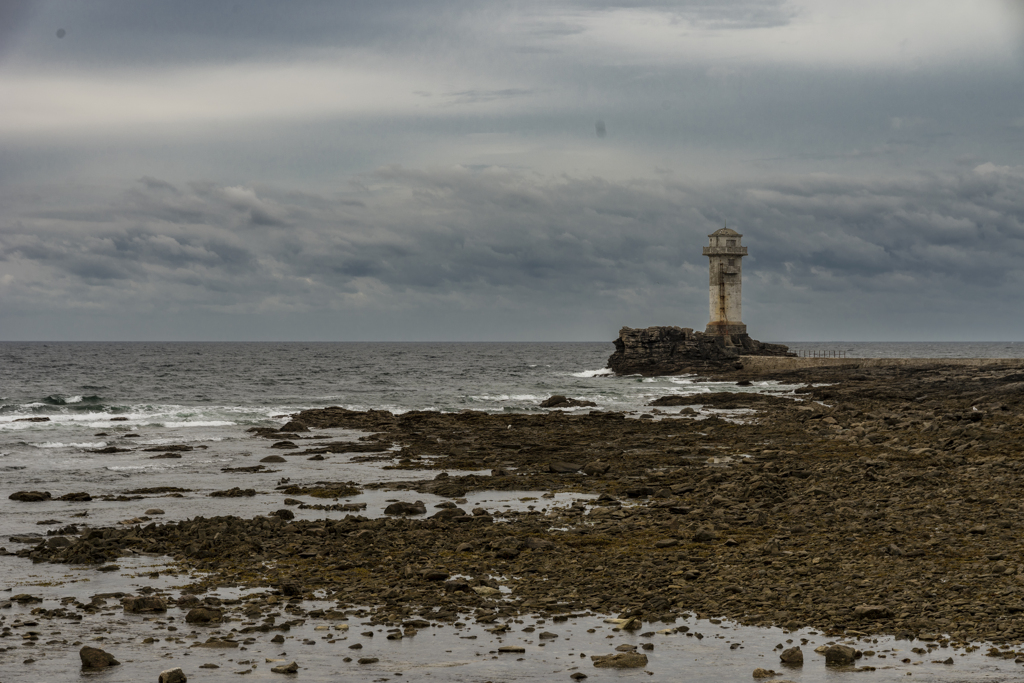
column 402, row 240
column 520, row 170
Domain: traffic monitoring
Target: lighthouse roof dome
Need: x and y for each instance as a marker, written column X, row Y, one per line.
column 725, row 231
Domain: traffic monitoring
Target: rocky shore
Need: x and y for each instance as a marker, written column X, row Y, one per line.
column 878, row 501
column 655, row 351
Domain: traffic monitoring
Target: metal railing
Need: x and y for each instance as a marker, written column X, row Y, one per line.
column 822, row 354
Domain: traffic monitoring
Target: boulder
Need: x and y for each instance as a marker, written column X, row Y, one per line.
column 793, row 656
column 624, row 660
column 172, row 676
column 80, row 497
column 144, row 604
column 30, row 496
column 204, row 615
column 95, row 658
column 285, row 668
column 763, row 673
column 273, row 458
column 840, row 655
column 283, row 444
column 402, row 508
column 596, row 469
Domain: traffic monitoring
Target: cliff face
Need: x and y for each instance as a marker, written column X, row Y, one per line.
column 677, row 350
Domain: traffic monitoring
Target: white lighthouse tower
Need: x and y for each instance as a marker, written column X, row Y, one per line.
column 725, row 283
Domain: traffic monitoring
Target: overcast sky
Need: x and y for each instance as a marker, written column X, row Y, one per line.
column 474, row 170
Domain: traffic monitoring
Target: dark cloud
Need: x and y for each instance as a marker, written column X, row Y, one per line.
column 561, row 243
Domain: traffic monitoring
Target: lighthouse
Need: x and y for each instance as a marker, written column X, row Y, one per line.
column 725, row 276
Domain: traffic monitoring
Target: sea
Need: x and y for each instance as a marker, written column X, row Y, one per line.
column 142, row 398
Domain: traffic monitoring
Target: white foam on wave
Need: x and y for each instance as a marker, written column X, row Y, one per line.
column 73, row 399
column 58, row 444
column 125, row 468
column 506, row 397
column 198, row 423
column 603, row 372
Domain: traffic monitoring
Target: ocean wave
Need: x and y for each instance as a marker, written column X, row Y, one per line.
column 603, row 372
column 58, row 444
column 199, row 423
column 506, row 397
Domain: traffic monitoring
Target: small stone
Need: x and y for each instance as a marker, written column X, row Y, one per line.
column 154, row 511
column 368, row 660
column 204, row 615
column 794, row 656
column 272, row 458
column 94, row 658
column 510, row 649
column 144, row 605
column 625, row 660
column 763, row 673
column 840, row 655
column 172, row 676
column 285, row 668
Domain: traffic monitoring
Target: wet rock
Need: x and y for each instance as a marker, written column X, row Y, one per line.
column 215, row 642
column 30, row 496
column 872, row 612
column 793, row 656
column 234, row 493
column 511, row 649
column 204, row 615
column 294, row 426
column 154, row 511
column 273, row 458
column 435, row 575
column 596, row 469
column 144, row 604
column 174, row 448
column 559, row 401
column 79, row 497
column 763, row 673
column 534, row 543
column 559, row 467
column 95, row 658
column 284, row 513
column 705, row 536
column 32, row 419
column 624, row 660
column 283, row 444
column 287, row 668
column 172, row 676
column 840, row 655
column 403, row 508
column 368, row 660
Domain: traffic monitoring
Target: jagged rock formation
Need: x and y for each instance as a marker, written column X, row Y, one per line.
column 673, row 350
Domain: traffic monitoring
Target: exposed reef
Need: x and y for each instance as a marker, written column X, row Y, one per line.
column 673, row 350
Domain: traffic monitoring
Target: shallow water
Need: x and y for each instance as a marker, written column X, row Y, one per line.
column 208, row 394
column 707, row 652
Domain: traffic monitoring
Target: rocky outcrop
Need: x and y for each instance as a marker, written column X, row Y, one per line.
column 674, row 350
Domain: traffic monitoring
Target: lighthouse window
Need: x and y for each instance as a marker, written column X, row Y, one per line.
column 732, row 262
column 730, row 243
